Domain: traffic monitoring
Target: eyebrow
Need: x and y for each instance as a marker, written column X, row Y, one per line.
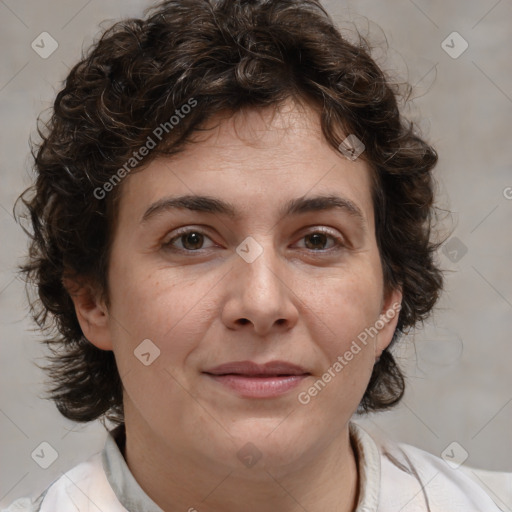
column 300, row 205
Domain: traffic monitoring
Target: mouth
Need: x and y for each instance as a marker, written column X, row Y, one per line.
column 251, row 380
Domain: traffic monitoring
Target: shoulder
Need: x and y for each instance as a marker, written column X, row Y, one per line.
column 418, row 480
column 84, row 487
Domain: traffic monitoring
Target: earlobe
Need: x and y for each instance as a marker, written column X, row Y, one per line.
column 91, row 312
column 388, row 320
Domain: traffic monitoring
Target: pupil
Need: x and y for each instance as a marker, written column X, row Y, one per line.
column 194, row 238
column 318, row 237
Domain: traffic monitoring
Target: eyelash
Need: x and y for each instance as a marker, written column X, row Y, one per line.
column 340, row 243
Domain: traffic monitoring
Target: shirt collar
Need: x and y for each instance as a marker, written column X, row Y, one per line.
column 123, row 483
column 132, row 497
column 368, row 466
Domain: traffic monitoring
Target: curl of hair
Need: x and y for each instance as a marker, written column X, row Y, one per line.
column 227, row 56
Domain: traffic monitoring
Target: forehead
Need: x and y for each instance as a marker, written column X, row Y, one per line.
column 266, row 158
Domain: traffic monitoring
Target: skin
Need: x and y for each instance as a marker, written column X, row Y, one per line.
column 297, row 302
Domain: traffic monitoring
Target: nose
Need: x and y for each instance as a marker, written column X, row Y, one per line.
column 261, row 295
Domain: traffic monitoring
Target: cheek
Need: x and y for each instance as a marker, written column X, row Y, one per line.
column 343, row 317
column 341, row 332
column 155, row 324
column 349, row 303
column 169, row 310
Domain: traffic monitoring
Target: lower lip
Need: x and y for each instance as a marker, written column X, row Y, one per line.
column 259, row 387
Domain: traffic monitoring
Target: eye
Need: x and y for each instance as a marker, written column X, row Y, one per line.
column 192, row 240
column 316, row 240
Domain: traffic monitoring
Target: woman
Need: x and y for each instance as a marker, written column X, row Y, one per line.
column 232, row 227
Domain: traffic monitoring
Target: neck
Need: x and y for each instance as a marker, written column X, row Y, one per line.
column 177, row 481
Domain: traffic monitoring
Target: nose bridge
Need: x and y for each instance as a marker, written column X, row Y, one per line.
column 260, row 268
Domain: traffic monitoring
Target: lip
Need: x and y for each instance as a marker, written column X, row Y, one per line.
column 258, row 387
column 252, row 380
column 249, row 368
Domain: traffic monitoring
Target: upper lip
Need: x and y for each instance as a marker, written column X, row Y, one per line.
column 254, row 369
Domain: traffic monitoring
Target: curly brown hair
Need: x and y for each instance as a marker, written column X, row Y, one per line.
column 227, row 55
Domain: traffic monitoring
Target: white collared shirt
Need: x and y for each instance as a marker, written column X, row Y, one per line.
column 394, row 477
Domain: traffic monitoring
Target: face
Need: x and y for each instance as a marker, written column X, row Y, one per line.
column 273, row 277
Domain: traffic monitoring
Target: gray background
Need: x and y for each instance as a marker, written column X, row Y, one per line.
column 458, row 367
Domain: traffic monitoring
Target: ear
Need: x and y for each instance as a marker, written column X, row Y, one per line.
column 388, row 320
column 91, row 312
